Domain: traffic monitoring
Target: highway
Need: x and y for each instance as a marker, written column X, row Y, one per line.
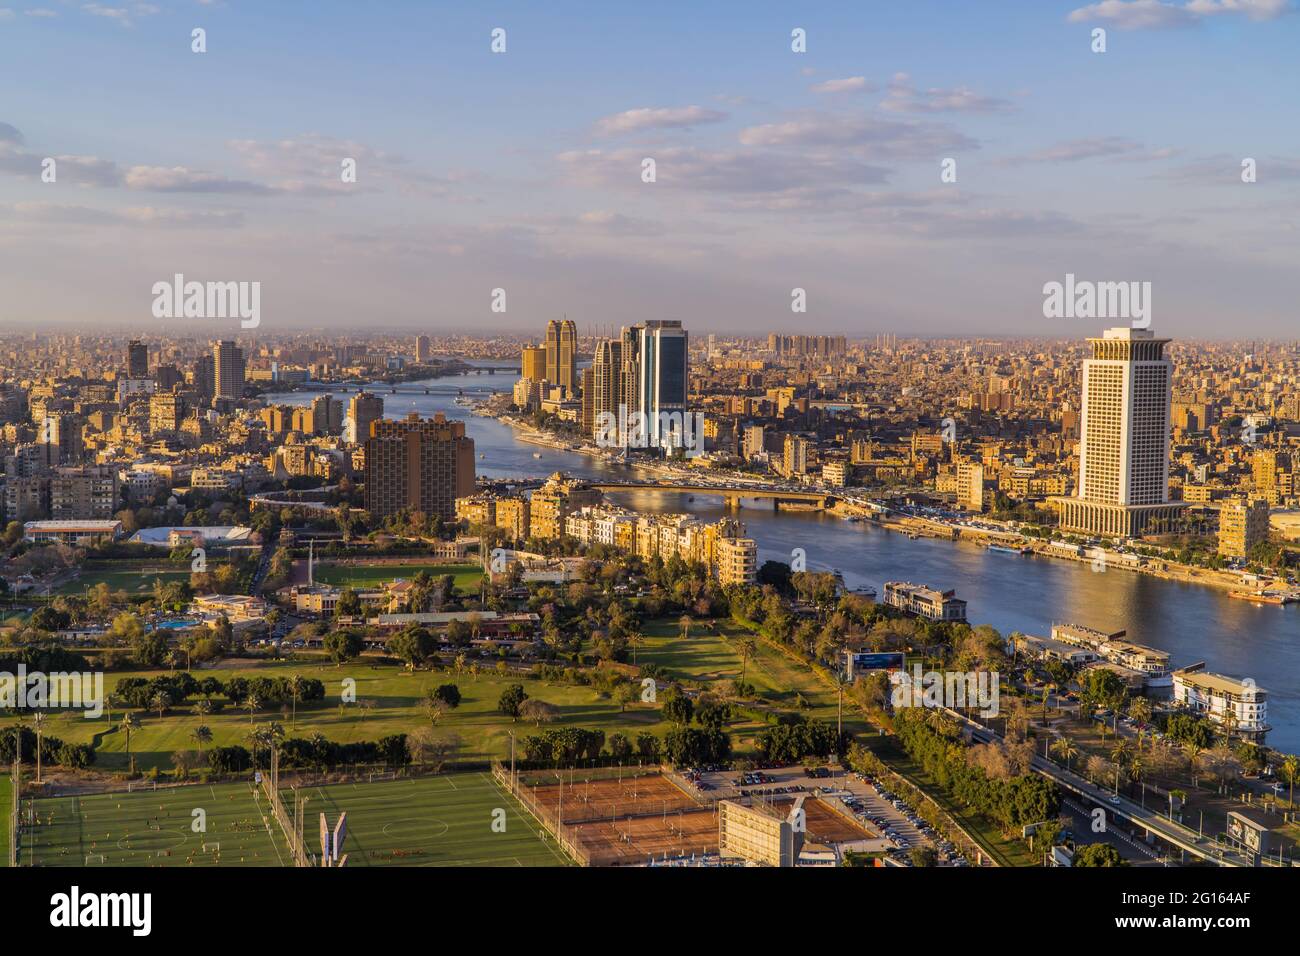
column 1146, row 819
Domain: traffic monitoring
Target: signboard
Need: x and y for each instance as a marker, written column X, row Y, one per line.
column 869, row 661
column 1246, row 832
column 324, row 840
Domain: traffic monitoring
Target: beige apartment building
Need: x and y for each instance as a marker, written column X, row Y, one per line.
column 1243, row 524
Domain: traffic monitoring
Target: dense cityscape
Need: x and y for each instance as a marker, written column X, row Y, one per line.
column 177, row 507
column 699, row 443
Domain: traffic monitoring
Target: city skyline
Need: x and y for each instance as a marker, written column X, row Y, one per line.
column 725, row 436
column 777, row 170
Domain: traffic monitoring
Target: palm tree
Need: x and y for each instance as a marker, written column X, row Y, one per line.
column 635, row 639
column 1291, row 770
column 130, row 722
column 160, row 702
column 1193, row 754
column 201, row 735
column 1137, row 767
column 747, row 647
column 296, row 686
column 38, row 724
column 252, row 703
column 1064, row 747
column 1121, row 752
column 840, row 683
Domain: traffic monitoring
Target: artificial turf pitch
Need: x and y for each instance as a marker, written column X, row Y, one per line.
column 430, row 821
column 427, row 821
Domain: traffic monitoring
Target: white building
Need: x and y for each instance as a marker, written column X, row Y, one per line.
column 1236, row 705
column 1124, row 437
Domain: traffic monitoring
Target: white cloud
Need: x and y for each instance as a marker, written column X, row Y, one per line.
column 905, row 98
column 633, row 121
column 876, row 137
column 181, row 179
column 1155, row 14
column 850, row 84
column 1074, row 150
column 71, row 214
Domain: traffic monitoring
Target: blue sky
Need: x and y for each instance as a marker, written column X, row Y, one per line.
column 775, row 169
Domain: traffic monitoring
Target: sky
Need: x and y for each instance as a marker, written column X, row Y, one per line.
column 774, row 170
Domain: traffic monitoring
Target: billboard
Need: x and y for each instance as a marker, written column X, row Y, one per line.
column 875, row 661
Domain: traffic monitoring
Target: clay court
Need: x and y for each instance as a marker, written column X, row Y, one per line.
column 624, row 821
column 609, row 798
column 637, row 839
column 824, row 824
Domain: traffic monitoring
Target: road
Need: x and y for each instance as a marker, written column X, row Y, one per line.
column 1149, row 820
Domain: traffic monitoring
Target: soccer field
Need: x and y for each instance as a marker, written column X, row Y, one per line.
column 429, row 821
column 153, row 828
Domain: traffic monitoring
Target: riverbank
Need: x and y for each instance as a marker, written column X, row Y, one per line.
column 915, row 527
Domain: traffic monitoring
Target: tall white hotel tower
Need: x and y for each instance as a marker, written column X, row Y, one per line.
column 1124, row 438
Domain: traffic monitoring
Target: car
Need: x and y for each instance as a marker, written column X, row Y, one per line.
column 1114, row 799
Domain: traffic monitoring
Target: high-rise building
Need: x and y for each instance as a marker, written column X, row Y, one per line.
column 661, row 377
column 587, row 416
column 203, row 377
column 607, row 380
column 418, row 464
column 423, row 352
column 363, row 409
column 84, row 493
column 1124, row 437
column 532, row 363
column 137, row 359
column 64, row 431
column 795, row 456
column 326, row 415
column 167, row 377
column 562, row 354
column 970, row 485
column 228, row 365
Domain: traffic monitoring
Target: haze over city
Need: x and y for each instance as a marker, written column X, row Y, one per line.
column 776, row 170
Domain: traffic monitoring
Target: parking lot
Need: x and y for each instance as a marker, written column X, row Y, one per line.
column 897, row 825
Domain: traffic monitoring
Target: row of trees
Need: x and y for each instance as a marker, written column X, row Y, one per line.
column 931, row 739
column 43, row 749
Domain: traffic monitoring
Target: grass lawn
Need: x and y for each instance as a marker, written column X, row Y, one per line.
column 365, row 576
column 430, row 821
column 427, row 821
column 712, row 654
column 389, row 701
column 137, row 580
column 154, row 828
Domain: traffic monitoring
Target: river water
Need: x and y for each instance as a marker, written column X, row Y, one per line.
column 1010, row 592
